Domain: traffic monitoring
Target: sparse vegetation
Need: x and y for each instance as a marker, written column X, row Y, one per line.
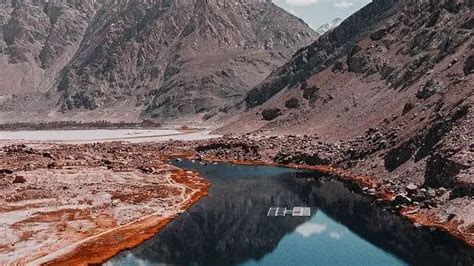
column 292, row 103
column 270, row 114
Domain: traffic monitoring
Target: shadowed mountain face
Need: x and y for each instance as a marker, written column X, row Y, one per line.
column 387, row 54
column 155, row 58
column 230, row 226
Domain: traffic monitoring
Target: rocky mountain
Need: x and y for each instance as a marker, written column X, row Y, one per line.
column 391, row 88
column 128, row 60
column 329, row 26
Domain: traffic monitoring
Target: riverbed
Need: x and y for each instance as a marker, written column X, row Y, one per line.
column 104, row 135
column 231, row 226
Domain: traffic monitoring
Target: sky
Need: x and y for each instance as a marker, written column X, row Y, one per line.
column 317, row 12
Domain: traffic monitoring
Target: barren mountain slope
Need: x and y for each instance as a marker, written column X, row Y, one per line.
column 392, row 89
column 129, row 59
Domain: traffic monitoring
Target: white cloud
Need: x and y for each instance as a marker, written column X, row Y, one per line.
column 342, row 3
column 335, row 235
column 309, row 229
column 301, row 2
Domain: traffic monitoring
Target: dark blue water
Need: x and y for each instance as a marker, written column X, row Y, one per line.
column 231, row 227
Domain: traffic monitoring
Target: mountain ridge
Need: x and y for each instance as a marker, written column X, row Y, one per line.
column 392, row 94
column 155, row 59
column 329, row 26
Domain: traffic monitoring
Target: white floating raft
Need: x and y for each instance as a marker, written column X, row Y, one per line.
column 283, row 211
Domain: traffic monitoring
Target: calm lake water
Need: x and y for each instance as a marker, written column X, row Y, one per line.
column 231, row 227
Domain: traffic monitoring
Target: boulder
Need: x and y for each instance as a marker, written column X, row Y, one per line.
column 419, row 196
column 378, row 34
column 412, row 188
column 19, row 180
column 429, row 89
column 401, row 199
column 407, row 108
column 451, row 216
column 47, row 155
column 6, row 171
column 430, row 193
column 270, row 114
column 371, row 191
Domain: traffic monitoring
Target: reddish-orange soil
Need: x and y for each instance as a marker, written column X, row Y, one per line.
column 83, row 204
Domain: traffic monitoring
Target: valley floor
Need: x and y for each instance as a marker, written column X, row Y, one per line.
column 63, row 204
column 76, row 203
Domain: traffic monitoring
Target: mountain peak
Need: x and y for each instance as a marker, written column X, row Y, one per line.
column 329, row 26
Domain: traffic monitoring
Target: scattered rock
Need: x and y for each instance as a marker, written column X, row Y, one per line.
column 147, row 170
column 412, row 211
column 378, row 34
column 19, row 180
column 47, row 155
column 430, row 193
column 6, row 171
column 419, row 196
column 106, row 161
column 451, row 216
column 372, row 191
column 429, row 89
column 412, row 188
column 401, row 199
column 441, row 191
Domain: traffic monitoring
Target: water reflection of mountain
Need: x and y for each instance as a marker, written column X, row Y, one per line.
column 416, row 246
column 230, row 228
column 231, row 225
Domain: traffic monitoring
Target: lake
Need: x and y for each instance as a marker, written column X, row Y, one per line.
column 231, row 226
